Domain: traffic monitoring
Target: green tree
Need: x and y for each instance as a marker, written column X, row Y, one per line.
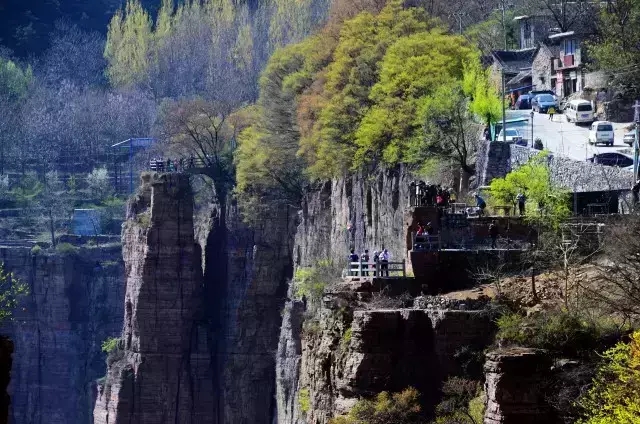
column 615, row 395
column 485, row 100
column 11, row 290
column 450, row 134
column 403, row 407
column 128, row 45
column 616, row 47
column 548, row 203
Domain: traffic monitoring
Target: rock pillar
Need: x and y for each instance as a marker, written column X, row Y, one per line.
column 161, row 370
column 515, row 386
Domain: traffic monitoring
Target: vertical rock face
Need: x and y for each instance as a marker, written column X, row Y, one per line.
column 161, row 371
column 259, row 265
column 366, row 212
column 347, row 354
column 75, row 303
column 515, row 386
column 6, row 352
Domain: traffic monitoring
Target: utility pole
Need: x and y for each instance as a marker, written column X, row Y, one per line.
column 503, row 6
column 459, row 16
column 636, row 147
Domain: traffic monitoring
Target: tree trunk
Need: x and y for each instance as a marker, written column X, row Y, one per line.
column 464, row 182
column 52, row 228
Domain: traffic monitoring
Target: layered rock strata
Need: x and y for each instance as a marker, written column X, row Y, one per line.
column 344, row 353
column 75, row 302
column 516, row 382
column 161, row 370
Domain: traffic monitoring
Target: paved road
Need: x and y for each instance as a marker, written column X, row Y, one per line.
column 568, row 139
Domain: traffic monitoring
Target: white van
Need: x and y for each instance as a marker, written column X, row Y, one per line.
column 579, row 111
column 601, row 132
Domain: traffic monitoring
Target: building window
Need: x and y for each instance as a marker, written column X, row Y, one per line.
column 570, row 47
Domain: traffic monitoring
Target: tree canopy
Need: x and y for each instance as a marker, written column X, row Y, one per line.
column 358, row 97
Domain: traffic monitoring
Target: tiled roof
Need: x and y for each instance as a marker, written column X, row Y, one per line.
column 514, row 60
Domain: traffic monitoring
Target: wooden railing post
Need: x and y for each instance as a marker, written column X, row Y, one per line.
column 404, row 268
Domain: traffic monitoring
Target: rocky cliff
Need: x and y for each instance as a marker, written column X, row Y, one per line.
column 201, row 318
column 75, row 303
column 161, row 369
column 350, row 350
column 361, row 212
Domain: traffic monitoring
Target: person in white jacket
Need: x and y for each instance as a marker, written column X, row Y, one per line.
column 385, row 256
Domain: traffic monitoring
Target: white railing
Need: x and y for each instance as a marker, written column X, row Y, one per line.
column 376, row 269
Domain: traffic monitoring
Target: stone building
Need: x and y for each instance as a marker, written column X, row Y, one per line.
column 543, row 72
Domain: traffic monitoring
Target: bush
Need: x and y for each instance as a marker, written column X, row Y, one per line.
column 36, row 250
column 304, row 400
column 346, row 338
column 615, row 394
column 537, row 144
column 386, row 408
column 563, row 332
column 310, row 282
column 144, row 219
column 462, row 402
column 110, row 344
column 67, row 249
column 99, row 184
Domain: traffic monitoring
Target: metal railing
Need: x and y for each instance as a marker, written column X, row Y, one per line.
column 426, row 242
column 376, row 269
column 175, row 165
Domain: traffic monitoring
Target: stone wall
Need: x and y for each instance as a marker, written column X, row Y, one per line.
column 515, row 386
column 75, row 303
column 498, row 159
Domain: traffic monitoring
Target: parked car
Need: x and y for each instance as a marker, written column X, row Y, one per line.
column 612, row 159
column 579, row 111
column 512, row 136
column 523, row 102
column 542, row 102
column 601, row 132
column 629, row 138
column 534, row 93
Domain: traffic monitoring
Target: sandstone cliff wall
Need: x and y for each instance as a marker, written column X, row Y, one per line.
column 202, row 313
column 161, row 370
column 75, row 303
column 345, row 354
column 363, row 212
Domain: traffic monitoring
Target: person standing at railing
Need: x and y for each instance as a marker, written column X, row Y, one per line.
column 493, row 233
column 384, row 263
column 353, row 257
column 376, row 260
column 364, row 263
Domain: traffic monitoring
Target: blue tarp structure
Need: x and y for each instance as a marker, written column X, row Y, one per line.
column 85, row 222
column 521, row 124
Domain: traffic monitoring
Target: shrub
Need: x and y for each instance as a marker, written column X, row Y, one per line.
column 310, row 282
column 304, row 400
column 67, row 249
column 36, row 250
column 99, row 184
column 462, row 402
column 346, row 338
column 537, row 144
column 11, row 290
column 560, row 331
column 615, row 394
column 110, row 344
column 386, row 408
column 144, row 219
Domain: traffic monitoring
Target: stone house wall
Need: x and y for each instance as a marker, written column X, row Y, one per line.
column 541, row 70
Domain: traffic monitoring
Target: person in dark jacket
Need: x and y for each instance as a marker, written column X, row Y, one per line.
column 493, row 233
column 353, row 257
column 364, row 259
